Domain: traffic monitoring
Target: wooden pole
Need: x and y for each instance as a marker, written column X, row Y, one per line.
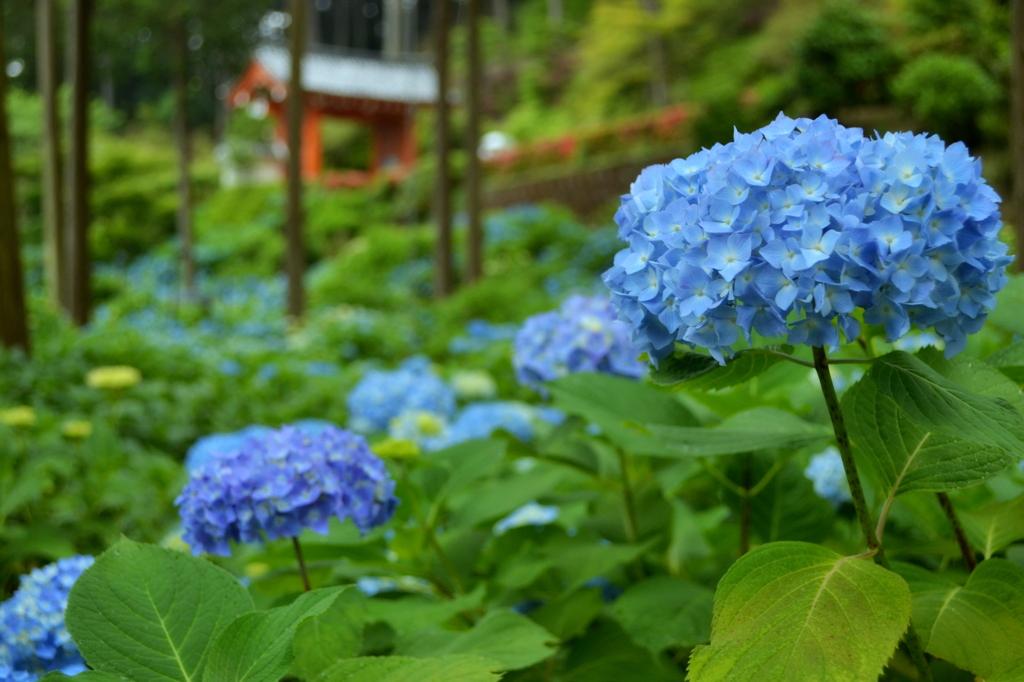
column 444, row 276
column 179, row 47
column 475, row 236
column 13, row 315
column 76, row 227
column 295, row 265
column 1017, row 124
column 54, row 271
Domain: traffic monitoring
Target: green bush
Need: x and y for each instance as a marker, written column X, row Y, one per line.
column 946, row 94
column 844, row 58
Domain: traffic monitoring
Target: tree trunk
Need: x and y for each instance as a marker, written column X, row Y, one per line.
column 502, row 17
column 52, row 199
column 475, row 236
column 444, row 277
column 656, row 53
column 179, row 47
column 13, row 316
column 76, row 235
column 296, row 257
column 1017, row 123
column 555, row 12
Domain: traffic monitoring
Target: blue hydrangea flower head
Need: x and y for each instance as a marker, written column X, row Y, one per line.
column 420, row 427
column 826, row 471
column 481, row 420
column 277, row 485
column 33, row 637
column 794, row 230
column 381, row 396
column 583, row 335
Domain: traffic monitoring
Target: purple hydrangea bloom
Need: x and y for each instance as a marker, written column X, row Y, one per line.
column 277, row 485
column 583, row 335
column 380, row 396
column 790, row 230
column 33, row 637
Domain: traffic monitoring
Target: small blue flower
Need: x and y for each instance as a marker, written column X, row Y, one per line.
column 530, row 514
column 277, row 485
column 33, row 637
column 790, row 230
column 829, row 477
column 583, row 335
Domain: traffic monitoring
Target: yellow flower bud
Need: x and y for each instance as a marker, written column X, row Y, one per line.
column 113, row 378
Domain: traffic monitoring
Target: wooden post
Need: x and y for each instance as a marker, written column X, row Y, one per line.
column 295, row 265
column 444, row 276
column 179, row 47
column 52, row 199
column 475, row 236
column 76, row 227
column 1017, row 124
column 13, row 315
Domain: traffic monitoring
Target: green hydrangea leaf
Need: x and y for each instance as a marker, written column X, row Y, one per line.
column 152, row 614
column 702, row 372
column 935, row 403
column 257, row 647
column 902, row 454
column 978, row 627
column 802, row 613
column 761, row 428
column 666, row 612
column 995, row 526
column 513, row 640
column 326, row 638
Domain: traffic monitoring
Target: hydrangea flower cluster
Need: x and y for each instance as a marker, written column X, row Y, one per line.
column 33, row 637
column 381, row 396
column 790, row 230
column 583, row 335
column 826, row 471
column 277, row 485
column 478, row 420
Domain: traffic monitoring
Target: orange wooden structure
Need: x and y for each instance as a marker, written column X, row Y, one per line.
column 382, row 94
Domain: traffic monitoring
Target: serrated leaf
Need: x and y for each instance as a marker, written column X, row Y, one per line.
column 902, row 454
column 762, row 428
column 411, row 613
column 257, row 647
column 614, row 403
column 937, row 404
column 703, row 373
column 607, row 653
column 978, row 627
column 570, row 616
column 152, row 614
column 513, row 640
column 666, row 612
column 802, row 613
column 995, row 526
column 328, row 637
column 406, row 669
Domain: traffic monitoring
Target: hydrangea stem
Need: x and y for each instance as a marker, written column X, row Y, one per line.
column 302, row 564
column 860, row 504
column 958, row 530
column 745, row 508
column 629, row 502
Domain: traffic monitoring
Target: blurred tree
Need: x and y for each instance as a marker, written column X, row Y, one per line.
column 76, row 226
column 475, row 236
column 13, row 316
column 179, row 47
column 295, row 257
column 444, row 276
column 48, row 78
column 845, row 58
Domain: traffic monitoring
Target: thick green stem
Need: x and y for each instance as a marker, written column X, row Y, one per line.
column 958, row 530
column 627, row 497
column 860, row 504
column 302, row 564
